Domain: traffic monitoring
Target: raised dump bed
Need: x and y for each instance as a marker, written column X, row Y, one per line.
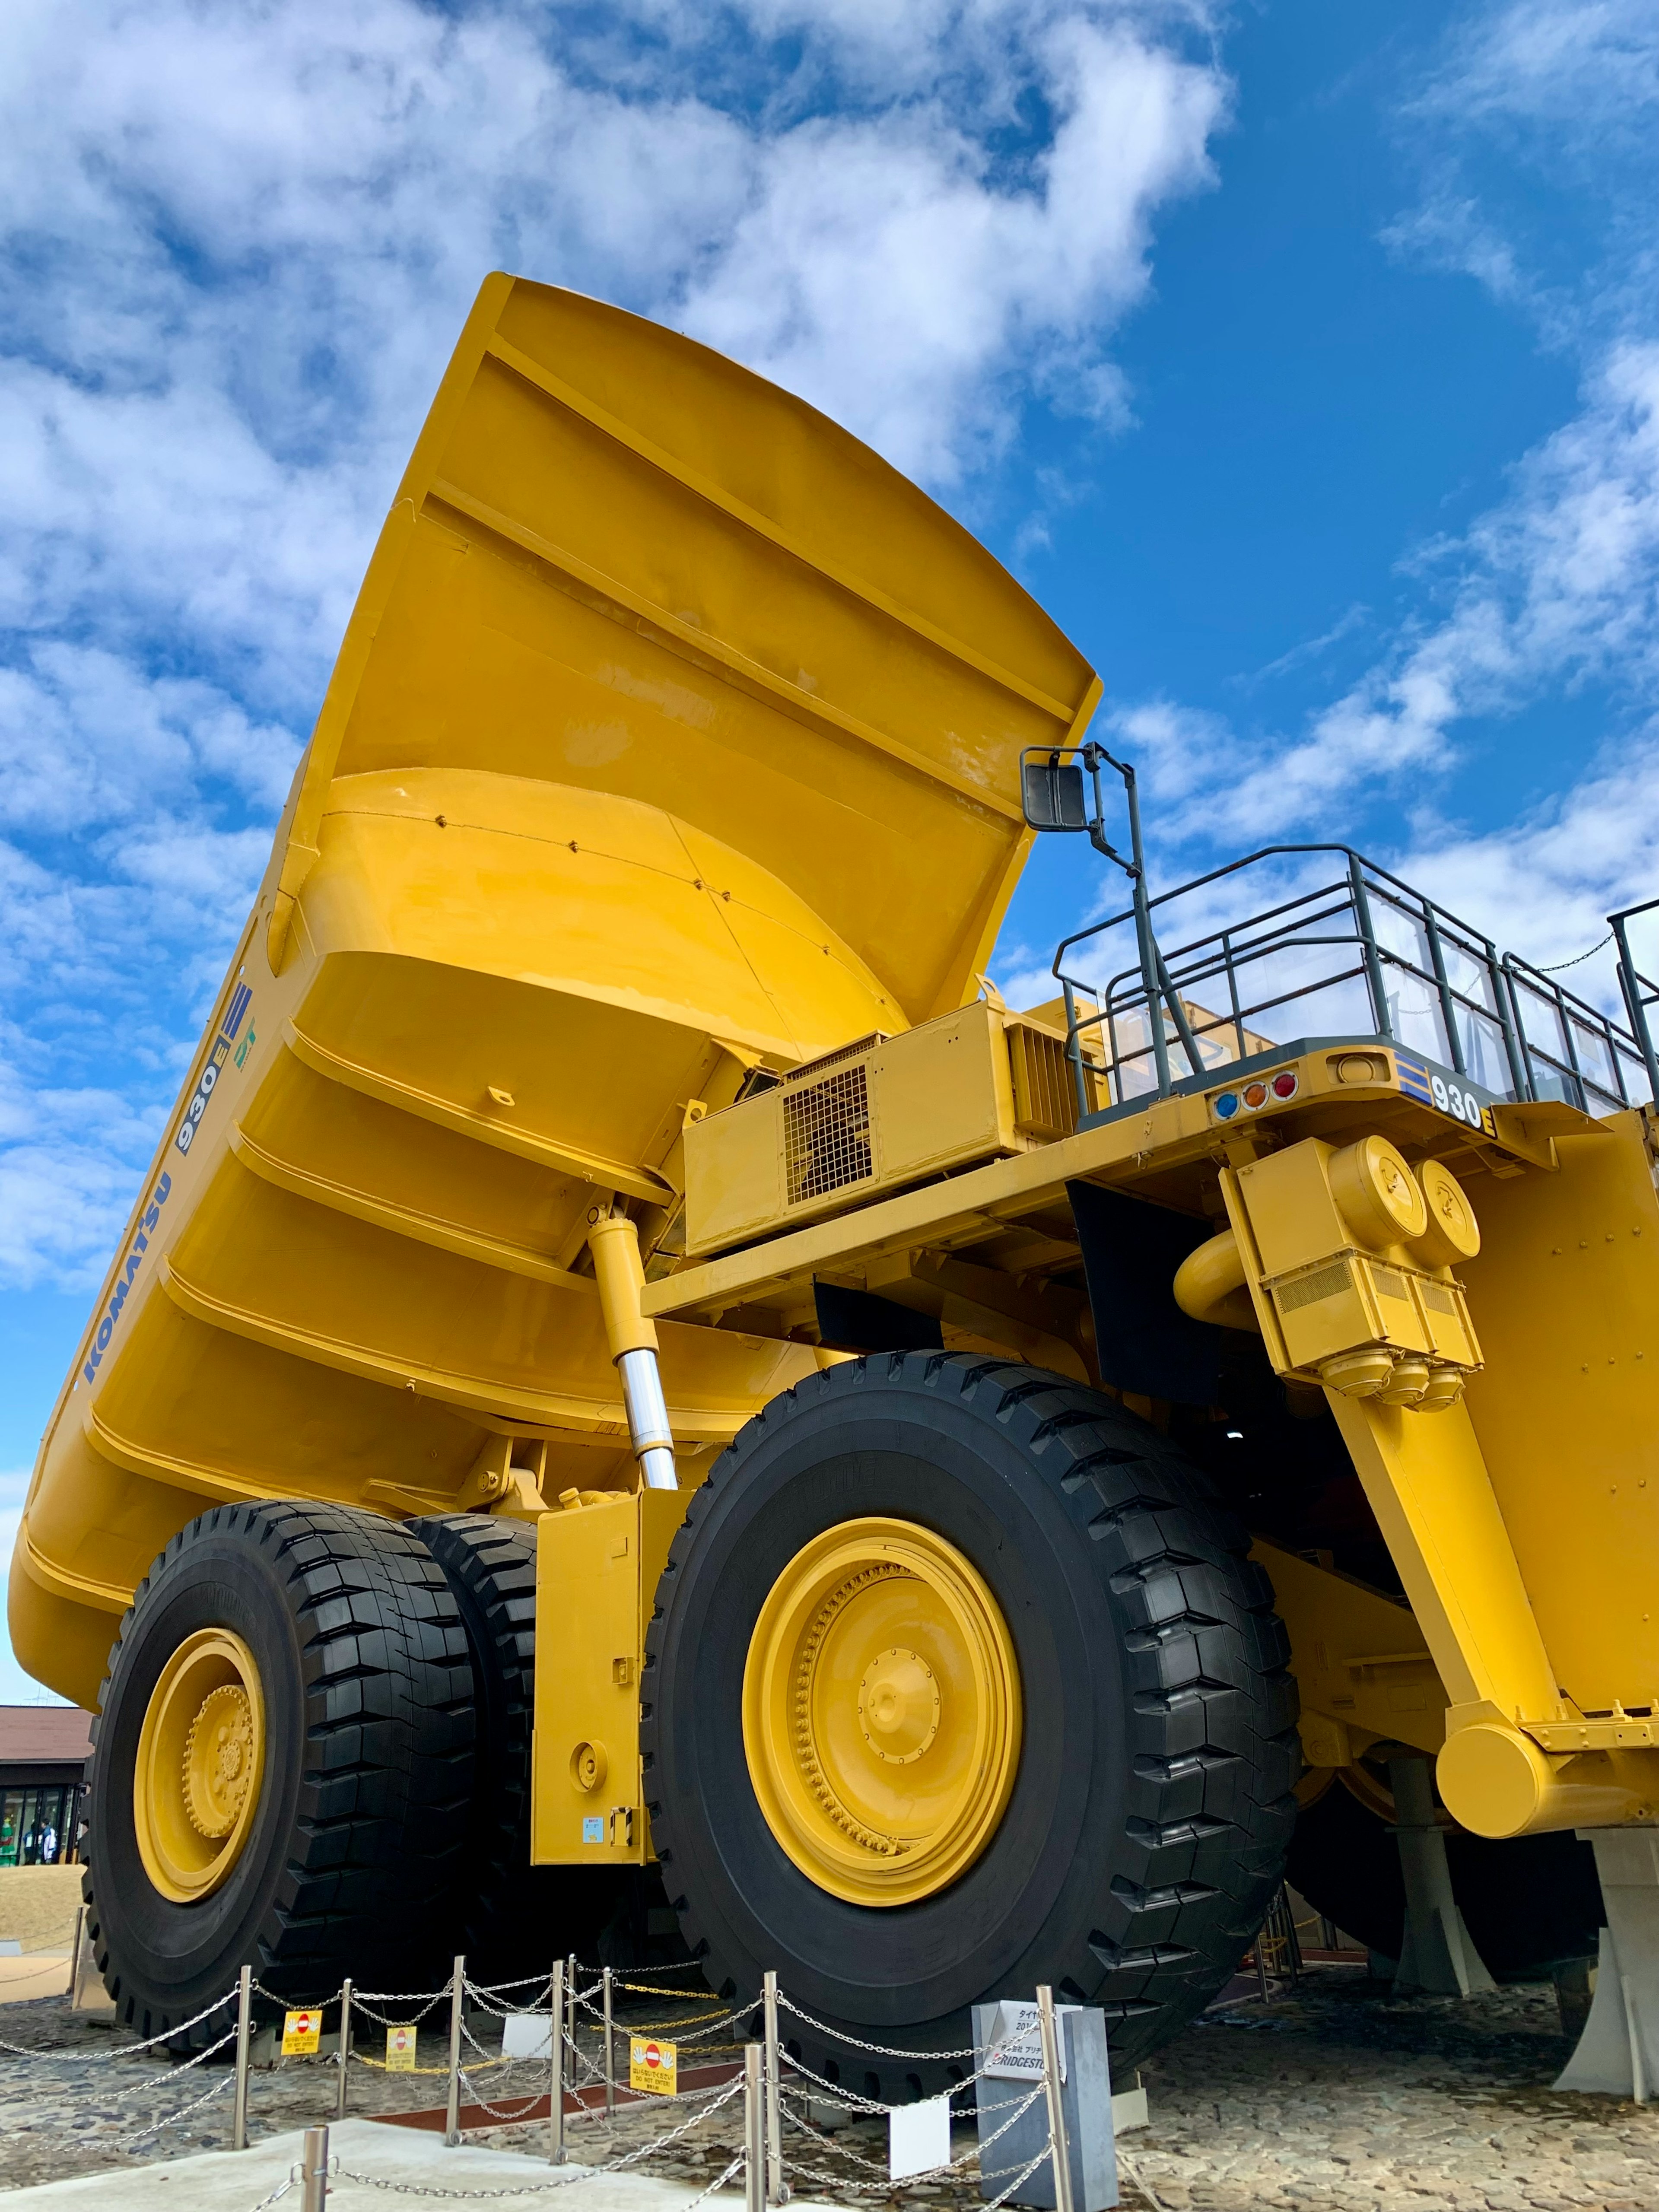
column 640, row 1404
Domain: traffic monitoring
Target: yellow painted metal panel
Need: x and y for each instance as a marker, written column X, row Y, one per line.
column 1428, row 1486
column 596, row 1571
column 937, row 1097
column 673, row 733
column 893, row 854
column 942, row 1094
column 1566, row 1293
column 1360, row 1659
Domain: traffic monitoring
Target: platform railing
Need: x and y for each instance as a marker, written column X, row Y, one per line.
column 1358, row 954
column 1640, row 992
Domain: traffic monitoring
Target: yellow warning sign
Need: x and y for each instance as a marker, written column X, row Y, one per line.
column 400, row 2050
column 653, row 2066
column 300, row 2033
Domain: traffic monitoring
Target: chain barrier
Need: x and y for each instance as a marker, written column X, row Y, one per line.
column 579, row 2069
column 280, row 2191
column 475, row 2097
column 892, row 2050
column 697, row 2029
column 160, row 2121
column 854, row 2097
column 482, row 1992
column 570, row 2181
column 172, row 2120
column 366, row 2001
column 1014, row 2106
column 121, row 2051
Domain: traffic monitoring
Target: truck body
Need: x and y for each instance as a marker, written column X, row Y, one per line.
column 670, row 740
column 617, row 994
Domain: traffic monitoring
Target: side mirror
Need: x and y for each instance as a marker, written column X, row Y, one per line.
column 1052, row 792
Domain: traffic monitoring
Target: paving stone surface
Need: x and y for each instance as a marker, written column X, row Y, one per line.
column 74, row 2103
column 1333, row 2098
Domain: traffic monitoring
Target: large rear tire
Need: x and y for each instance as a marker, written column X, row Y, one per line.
column 1143, row 1831
column 514, row 1918
column 310, row 1665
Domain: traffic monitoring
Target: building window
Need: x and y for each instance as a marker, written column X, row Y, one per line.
column 38, row 1825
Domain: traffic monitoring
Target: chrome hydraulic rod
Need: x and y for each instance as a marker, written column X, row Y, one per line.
column 615, row 1244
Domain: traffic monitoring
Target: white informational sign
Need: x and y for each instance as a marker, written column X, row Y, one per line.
column 1018, row 2044
column 919, row 2137
column 527, row 2035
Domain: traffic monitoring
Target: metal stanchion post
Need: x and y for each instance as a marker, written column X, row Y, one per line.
column 345, row 2046
column 458, row 1997
column 754, row 2131
column 1292, row 1947
column 610, row 2052
column 314, row 2170
column 1051, row 2083
column 244, row 2022
column 74, row 1954
column 555, row 2067
column 776, row 2190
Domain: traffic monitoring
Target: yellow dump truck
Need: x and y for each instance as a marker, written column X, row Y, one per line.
column 637, row 1394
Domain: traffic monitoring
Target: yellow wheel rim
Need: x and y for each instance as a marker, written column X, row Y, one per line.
column 881, row 1712
column 200, row 1759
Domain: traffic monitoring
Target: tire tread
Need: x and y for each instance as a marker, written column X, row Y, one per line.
column 1216, row 1753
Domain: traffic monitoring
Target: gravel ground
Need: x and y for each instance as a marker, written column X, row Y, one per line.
column 83, row 2107
column 1334, row 2097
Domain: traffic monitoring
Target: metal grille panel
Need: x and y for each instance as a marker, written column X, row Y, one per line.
column 1045, row 1096
column 1313, row 1289
column 826, row 1134
column 810, row 1070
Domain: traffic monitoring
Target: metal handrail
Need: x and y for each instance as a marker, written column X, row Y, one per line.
column 1155, row 989
column 1563, row 1071
column 1639, row 992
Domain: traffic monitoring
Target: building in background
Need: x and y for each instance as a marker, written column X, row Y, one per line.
column 44, row 1750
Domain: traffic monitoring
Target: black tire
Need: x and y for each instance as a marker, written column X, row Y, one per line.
column 1530, row 1904
column 1145, row 1834
column 367, row 1773
column 512, row 1918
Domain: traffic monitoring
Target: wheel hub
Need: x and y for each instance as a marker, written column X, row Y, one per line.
column 881, row 1711
column 216, row 1765
column 201, row 1758
column 899, row 1706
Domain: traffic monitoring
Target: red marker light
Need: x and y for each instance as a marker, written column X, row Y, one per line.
column 1284, row 1083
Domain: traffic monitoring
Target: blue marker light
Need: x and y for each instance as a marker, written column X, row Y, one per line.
column 1227, row 1106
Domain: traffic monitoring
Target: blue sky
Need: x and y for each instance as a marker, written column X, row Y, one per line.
column 1304, row 360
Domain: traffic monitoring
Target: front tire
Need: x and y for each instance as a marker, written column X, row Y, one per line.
column 1143, row 1835
column 339, row 1740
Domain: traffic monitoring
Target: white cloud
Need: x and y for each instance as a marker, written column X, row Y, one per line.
column 235, row 248
column 1556, row 588
column 1551, row 879
column 1586, row 63
column 1557, row 583
column 16, row 1688
column 878, row 273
